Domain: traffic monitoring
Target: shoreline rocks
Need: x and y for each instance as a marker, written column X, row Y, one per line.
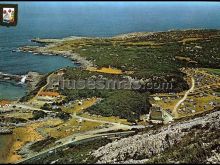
column 74, row 57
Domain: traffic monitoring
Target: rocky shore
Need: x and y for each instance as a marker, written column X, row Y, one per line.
column 36, row 50
column 10, row 77
column 45, row 50
column 49, row 41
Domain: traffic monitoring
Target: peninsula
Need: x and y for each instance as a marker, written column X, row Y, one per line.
column 89, row 125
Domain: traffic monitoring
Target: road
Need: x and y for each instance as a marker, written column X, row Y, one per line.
column 23, row 106
column 114, row 127
column 42, row 88
column 72, row 141
column 77, row 137
column 98, row 121
column 175, row 113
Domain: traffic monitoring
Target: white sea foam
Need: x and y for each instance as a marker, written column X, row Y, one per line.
column 23, row 79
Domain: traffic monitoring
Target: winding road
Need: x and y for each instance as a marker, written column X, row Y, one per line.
column 73, row 140
column 80, row 137
column 175, row 113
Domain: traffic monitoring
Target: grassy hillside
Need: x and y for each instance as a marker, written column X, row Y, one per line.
column 154, row 56
column 150, row 54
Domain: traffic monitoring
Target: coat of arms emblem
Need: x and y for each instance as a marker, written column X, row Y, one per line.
column 8, row 14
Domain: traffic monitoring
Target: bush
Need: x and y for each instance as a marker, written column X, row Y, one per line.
column 63, row 116
column 38, row 114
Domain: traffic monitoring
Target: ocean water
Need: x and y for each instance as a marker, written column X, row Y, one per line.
column 62, row 19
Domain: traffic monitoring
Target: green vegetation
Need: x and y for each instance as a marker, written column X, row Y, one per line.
column 191, row 149
column 125, row 104
column 217, row 91
column 145, row 61
column 33, row 93
column 205, row 52
column 12, row 120
column 149, row 54
column 213, row 71
column 85, row 93
column 63, row 116
column 42, row 144
column 49, row 107
column 38, row 114
column 79, row 74
column 75, row 154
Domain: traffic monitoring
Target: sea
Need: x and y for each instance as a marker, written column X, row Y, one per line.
column 96, row 19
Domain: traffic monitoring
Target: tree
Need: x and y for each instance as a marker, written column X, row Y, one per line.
column 38, row 114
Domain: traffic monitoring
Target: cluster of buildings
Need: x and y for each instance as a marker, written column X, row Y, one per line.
column 202, row 98
column 205, row 79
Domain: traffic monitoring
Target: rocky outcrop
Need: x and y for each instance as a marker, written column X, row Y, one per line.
column 34, row 78
column 140, row 148
column 46, row 51
column 214, row 159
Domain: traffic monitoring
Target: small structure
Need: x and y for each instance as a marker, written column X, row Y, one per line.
column 80, row 120
column 4, row 103
column 49, row 94
column 80, row 103
column 159, row 116
column 49, row 97
column 157, row 98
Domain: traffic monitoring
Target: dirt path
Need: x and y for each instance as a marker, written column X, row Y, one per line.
column 175, row 113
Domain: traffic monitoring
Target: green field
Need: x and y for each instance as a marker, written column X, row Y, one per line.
column 213, row 71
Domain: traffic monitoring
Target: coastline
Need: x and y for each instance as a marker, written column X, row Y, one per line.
column 43, row 50
column 32, row 79
column 46, row 46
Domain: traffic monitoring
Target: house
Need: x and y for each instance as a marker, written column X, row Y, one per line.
column 80, row 103
column 48, row 97
column 4, row 103
column 49, row 94
column 159, row 116
column 157, row 98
